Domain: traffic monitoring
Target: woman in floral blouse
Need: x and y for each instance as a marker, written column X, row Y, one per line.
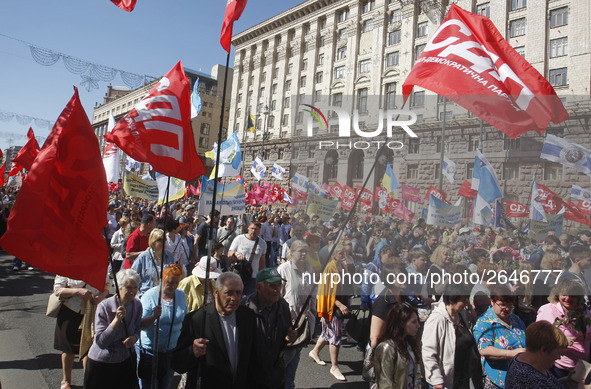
column 567, row 311
column 500, row 335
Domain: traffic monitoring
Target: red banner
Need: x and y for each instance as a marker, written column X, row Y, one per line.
column 234, row 9
column 158, row 129
column 584, row 206
column 548, row 198
column 346, row 203
column 348, row 193
column 572, row 212
column 403, row 213
column 66, row 196
column 27, row 154
column 367, row 208
column 467, row 191
column 126, row 5
column 410, row 193
column 336, row 190
column 437, row 193
column 366, row 196
column 515, row 209
column 468, row 61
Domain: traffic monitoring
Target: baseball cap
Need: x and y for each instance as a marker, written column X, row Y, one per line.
column 269, row 274
column 585, row 232
column 189, row 207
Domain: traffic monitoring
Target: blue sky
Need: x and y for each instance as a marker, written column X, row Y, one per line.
column 149, row 40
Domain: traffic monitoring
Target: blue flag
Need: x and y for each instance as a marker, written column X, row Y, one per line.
column 485, row 179
column 195, row 101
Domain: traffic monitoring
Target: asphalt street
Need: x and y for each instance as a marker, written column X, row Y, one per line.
column 28, row 360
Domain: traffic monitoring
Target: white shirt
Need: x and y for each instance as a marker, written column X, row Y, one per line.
column 244, row 246
column 267, row 232
column 228, row 324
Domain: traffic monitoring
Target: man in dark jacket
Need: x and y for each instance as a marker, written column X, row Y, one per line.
column 225, row 354
column 273, row 322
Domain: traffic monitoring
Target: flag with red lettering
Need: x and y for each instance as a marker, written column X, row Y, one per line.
column 27, row 154
column 366, row 196
column 548, row 198
column 410, row 193
column 439, row 194
column 234, row 9
column 158, row 129
column 468, row 61
column 66, row 196
column 515, row 209
column 126, row 5
column 584, row 206
column 337, row 190
column 467, row 191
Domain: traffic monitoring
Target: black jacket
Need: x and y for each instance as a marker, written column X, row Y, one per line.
column 214, row 367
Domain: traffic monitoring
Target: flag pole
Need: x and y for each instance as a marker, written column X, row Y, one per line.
column 155, row 347
column 442, row 142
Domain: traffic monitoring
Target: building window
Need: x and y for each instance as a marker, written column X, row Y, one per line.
column 520, row 50
column 275, row 73
column 271, row 121
column 418, row 98
column 362, row 100
column 553, row 171
column 558, row 47
column 274, row 89
column 262, row 92
column 392, row 59
column 511, row 144
column 239, row 99
column 339, row 72
column 318, row 77
column 483, row 9
column 418, row 51
column 517, row 27
column 413, row 146
column 421, row 29
column 317, row 95
column 273, row 105
column 287, row 85
column 289, row 68
column 558, row 77
column 438, row 144
column 305, row 64
column 394, row 37
column 285, row 120
column 447, row 115
column 395, row 16
column 302, row 81
column 299, row 117
column 518, row 4
column 286, row 102
column 365, row 66
column 320, row 59
column 437, row 171
column 369, row 5
column 342, row 15
column 390, row 96
column 337, row 100
column 473, row 142
column 264, row 77
column 321, row 23
column 341, row 52
column 204, row 128
column 204, row 143
column 559, row 17
column 367, row 26
column 341, row 34
column 511, row 171
column 412, row 172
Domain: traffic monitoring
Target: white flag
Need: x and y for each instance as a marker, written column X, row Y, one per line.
column 112, row 155
column 300, row 182
column 579, row 193
column 258, row 170
column 278, row 171
column 449, row 169
column 567, row 153
column 536, row 209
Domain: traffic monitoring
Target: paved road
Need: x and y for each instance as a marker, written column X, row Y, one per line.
column 28, row 360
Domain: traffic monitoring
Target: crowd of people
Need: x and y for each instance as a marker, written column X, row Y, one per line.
column 517, row 317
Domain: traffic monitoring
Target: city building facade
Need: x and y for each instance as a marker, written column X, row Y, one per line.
column 356, row 54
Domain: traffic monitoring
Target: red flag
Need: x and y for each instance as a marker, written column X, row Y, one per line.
column 126, row 5
column 2, row 171
column 367, row 208
column 366, row 196
column 158, row 129
column 238, row 178
column 435, row 192
column 584, row 206
column 15, row 169
column 410, row 193
column 468, row 61
column 548, row 198
column 337, row 190
column 515, row 209
column 467, row 191
column 27, row 154
column 234, row 9
column 572, row 212
column 66, row 196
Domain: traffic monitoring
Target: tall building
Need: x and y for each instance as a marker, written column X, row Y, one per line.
column 356, row 54
column 121, row 100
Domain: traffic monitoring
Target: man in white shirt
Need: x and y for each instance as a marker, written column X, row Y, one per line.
column 243, row 249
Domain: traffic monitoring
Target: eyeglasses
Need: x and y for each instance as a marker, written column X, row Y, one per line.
column 505, row 307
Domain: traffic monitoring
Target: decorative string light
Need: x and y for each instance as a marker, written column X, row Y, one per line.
column 91, row 73
column 25, row 120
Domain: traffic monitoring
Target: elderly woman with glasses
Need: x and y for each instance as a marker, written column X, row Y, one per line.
column 147, row 264
column 500, row 335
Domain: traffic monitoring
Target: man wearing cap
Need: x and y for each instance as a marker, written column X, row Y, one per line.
column 194, row 285
column 189, row 211
column 273, row 320
column 224, row 353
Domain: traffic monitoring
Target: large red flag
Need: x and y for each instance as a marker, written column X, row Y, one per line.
column 2, row 171
column 58, row 216
column 27, row 154
column 466, row 190
column 516, row 209
column 410, row 193
column 468, row 61
column 158, row 129
column 126, row 5
column 234, row 9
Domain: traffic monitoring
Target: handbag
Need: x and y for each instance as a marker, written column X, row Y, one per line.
column 358, row 327
column 302, row 326
column 367, row 371
column 244, row 268
column 54, row 304
column 144, row 368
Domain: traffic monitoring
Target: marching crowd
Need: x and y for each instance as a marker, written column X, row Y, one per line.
column 520, row 322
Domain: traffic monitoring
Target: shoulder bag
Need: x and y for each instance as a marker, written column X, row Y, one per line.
column 54, row 304
column 244, row 268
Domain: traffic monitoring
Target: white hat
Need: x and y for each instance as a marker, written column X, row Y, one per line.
column 201, row 267
column 464, row 230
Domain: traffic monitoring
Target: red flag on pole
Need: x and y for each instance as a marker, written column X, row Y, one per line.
column 467, row 191
column 158, row 129
column 58, row 216
column 468, row 61
column 126, row 5
column 27, row 154
column 2, row 171
column 516, row 209
column 234, row 9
